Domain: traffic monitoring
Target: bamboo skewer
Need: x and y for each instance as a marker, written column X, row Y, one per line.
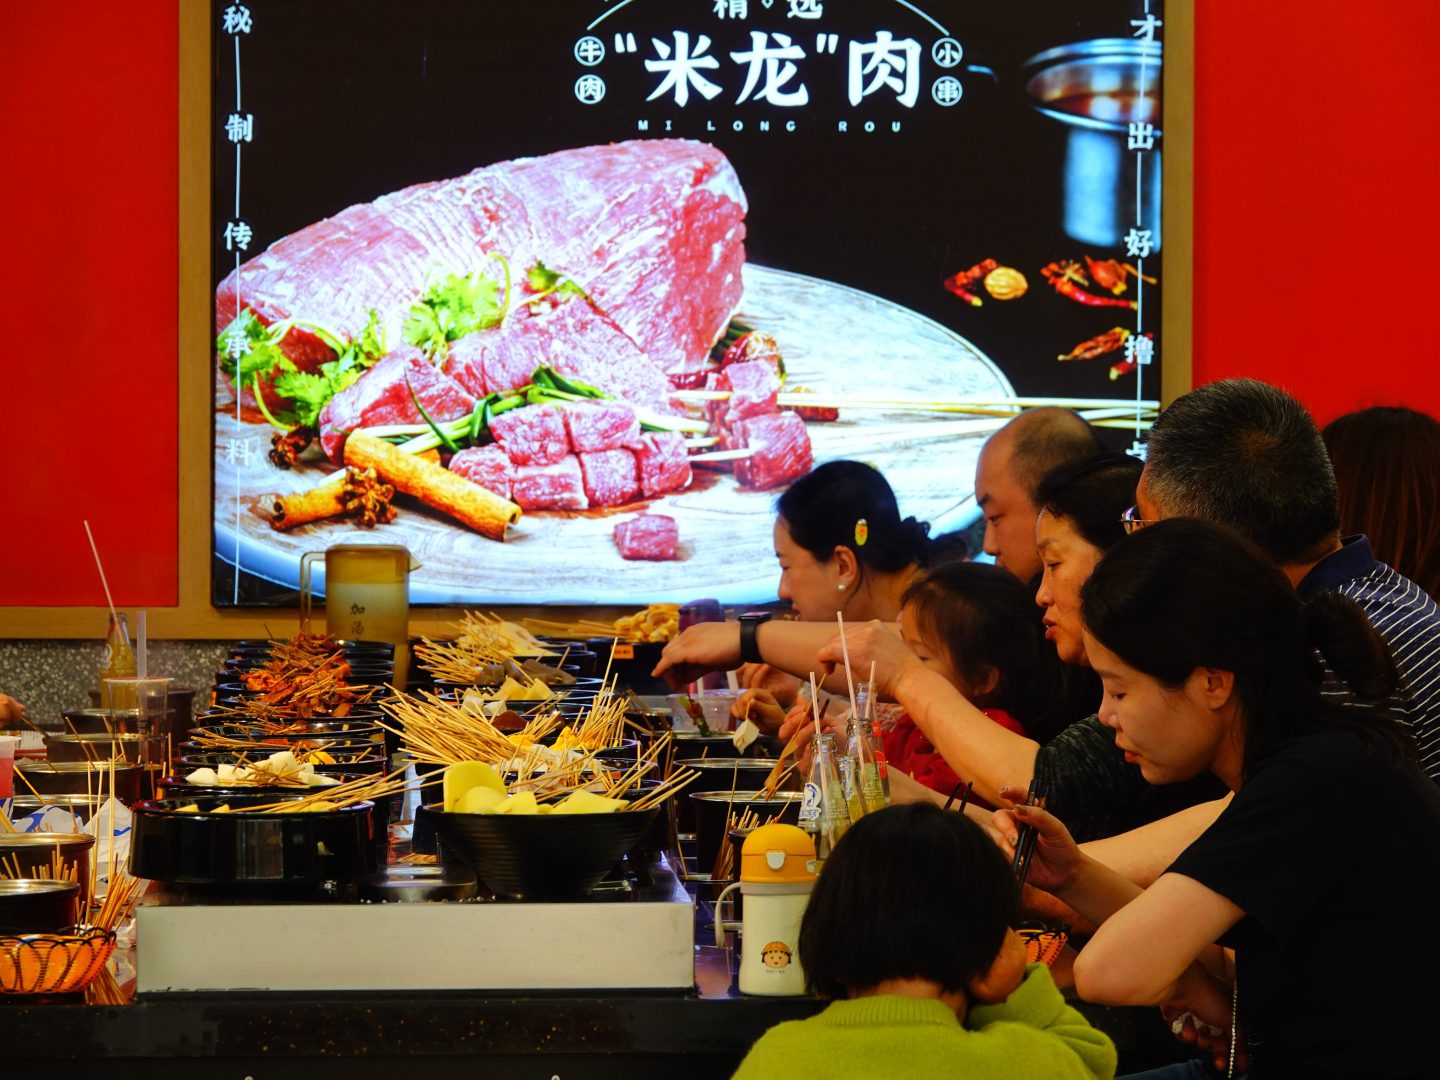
column 850, row 401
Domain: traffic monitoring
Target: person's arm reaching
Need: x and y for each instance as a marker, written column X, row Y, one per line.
column 1142, row 855
column 715, row 646
column 973, row 745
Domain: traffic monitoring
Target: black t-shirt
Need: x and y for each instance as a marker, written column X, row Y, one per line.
column 1332, row 850
column 1092, row 788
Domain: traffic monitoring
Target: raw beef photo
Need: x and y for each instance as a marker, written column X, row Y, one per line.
column 652, row 230
column 539, row 373
column 649, row 537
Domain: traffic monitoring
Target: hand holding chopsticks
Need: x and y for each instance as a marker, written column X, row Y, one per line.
column 1045, row 855
column 1025, row 839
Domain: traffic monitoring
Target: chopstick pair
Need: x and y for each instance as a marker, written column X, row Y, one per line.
column 1025, row 838
column 964, row 798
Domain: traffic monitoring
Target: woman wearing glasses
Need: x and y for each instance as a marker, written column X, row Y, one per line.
column 1208, row 661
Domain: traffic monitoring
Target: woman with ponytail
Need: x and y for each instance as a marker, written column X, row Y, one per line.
column 1209, row 663
column 842, row 547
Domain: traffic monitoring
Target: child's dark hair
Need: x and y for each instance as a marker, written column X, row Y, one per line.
column 983, row 617
column 910, row 892
column 1091, row 493
column 1183, row 594
column 822, row 509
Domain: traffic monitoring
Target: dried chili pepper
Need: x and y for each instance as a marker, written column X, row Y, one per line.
column 755, row 345
column 1098, row 345
column 1107, row 273
column 959, row 283
column 812, row 412
column 1067, row 279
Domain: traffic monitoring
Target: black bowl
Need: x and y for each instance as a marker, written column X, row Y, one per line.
column 367, row 757
column 238, row 849
column 539, row 857
column 632, row 671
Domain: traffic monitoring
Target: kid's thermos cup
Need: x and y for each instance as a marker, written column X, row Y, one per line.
column 777, row 872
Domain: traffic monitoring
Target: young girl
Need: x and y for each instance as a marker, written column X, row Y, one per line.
column 974, row 624
column 927, row 976
column 1208, row 660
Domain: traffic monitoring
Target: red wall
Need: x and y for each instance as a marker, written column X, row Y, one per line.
column 1315, row 252
column 88, row 215
column 1316, row 262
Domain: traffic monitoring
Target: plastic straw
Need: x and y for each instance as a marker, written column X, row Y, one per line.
column 870, row 704
column 140, row 644
column 815, row 702
column 845, row 652
column 96, row 552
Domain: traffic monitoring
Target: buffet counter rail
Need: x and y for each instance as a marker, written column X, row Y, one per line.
column 272, row 1037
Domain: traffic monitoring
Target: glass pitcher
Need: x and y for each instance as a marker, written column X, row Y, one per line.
column 367, row 595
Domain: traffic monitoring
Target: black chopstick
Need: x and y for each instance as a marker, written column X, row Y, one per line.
column 1025, row 839
column 964, row 799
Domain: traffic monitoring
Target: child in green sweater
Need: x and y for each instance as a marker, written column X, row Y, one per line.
column 908, row 929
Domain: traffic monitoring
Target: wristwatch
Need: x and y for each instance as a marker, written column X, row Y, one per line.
column 749, row 647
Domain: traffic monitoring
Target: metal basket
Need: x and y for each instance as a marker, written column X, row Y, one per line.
column 53, row 963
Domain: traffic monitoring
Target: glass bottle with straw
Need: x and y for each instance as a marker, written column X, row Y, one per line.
column 823, row 811
column 119, row 658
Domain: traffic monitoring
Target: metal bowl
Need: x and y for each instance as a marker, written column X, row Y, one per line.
column 36, row 905
column 79, row 778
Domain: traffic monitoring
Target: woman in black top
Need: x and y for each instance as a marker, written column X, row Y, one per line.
column 1208, row 662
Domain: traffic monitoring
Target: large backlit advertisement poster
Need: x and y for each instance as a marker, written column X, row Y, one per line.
column 561, row 296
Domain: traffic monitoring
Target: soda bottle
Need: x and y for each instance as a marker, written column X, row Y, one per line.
column 823, row 813
column 871, row 790
column 118, row 661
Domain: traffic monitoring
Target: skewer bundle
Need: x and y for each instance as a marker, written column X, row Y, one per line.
column 748, row 820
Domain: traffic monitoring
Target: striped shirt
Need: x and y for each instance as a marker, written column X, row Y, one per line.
column 1409, row 621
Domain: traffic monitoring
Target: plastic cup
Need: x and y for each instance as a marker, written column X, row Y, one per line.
column 8, row 743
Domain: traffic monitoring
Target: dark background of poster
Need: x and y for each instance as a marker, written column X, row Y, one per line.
column 355, row 99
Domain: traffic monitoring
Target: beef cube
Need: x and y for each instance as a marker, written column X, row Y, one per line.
column 488, row 466
column 611, row 478
column 532, row 434
column 653, row 537
column 600, row 425
column 663, row 461
column 753, row 387
column 559, row 486
column 779, row 449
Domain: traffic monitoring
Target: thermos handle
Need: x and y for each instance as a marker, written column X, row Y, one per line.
column 719, row 922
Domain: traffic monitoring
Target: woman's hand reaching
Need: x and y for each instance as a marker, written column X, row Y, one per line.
column 1057, row 857
column 761, row 708
column 871, row 642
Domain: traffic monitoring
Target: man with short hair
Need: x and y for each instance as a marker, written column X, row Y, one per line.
column 1248, row 456
column 1009, row 468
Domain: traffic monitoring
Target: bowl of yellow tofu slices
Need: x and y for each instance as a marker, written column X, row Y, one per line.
column 527, row 846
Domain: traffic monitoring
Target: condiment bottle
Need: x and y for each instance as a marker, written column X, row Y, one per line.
column 118, row 661
column 823, row 813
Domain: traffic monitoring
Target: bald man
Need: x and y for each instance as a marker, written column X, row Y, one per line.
column 1009, row 468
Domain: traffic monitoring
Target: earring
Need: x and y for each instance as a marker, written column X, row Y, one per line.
column 841, row 586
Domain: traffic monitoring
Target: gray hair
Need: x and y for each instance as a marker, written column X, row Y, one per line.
column 1248, row 456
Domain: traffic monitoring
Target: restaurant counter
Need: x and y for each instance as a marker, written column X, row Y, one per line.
column 271, row 1037
column 569, row 1036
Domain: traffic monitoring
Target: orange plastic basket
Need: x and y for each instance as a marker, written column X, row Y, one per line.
column 1043, row 943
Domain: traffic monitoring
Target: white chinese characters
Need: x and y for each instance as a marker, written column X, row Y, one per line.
column 682, row 68
column 885, row 63
column 778, row 67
